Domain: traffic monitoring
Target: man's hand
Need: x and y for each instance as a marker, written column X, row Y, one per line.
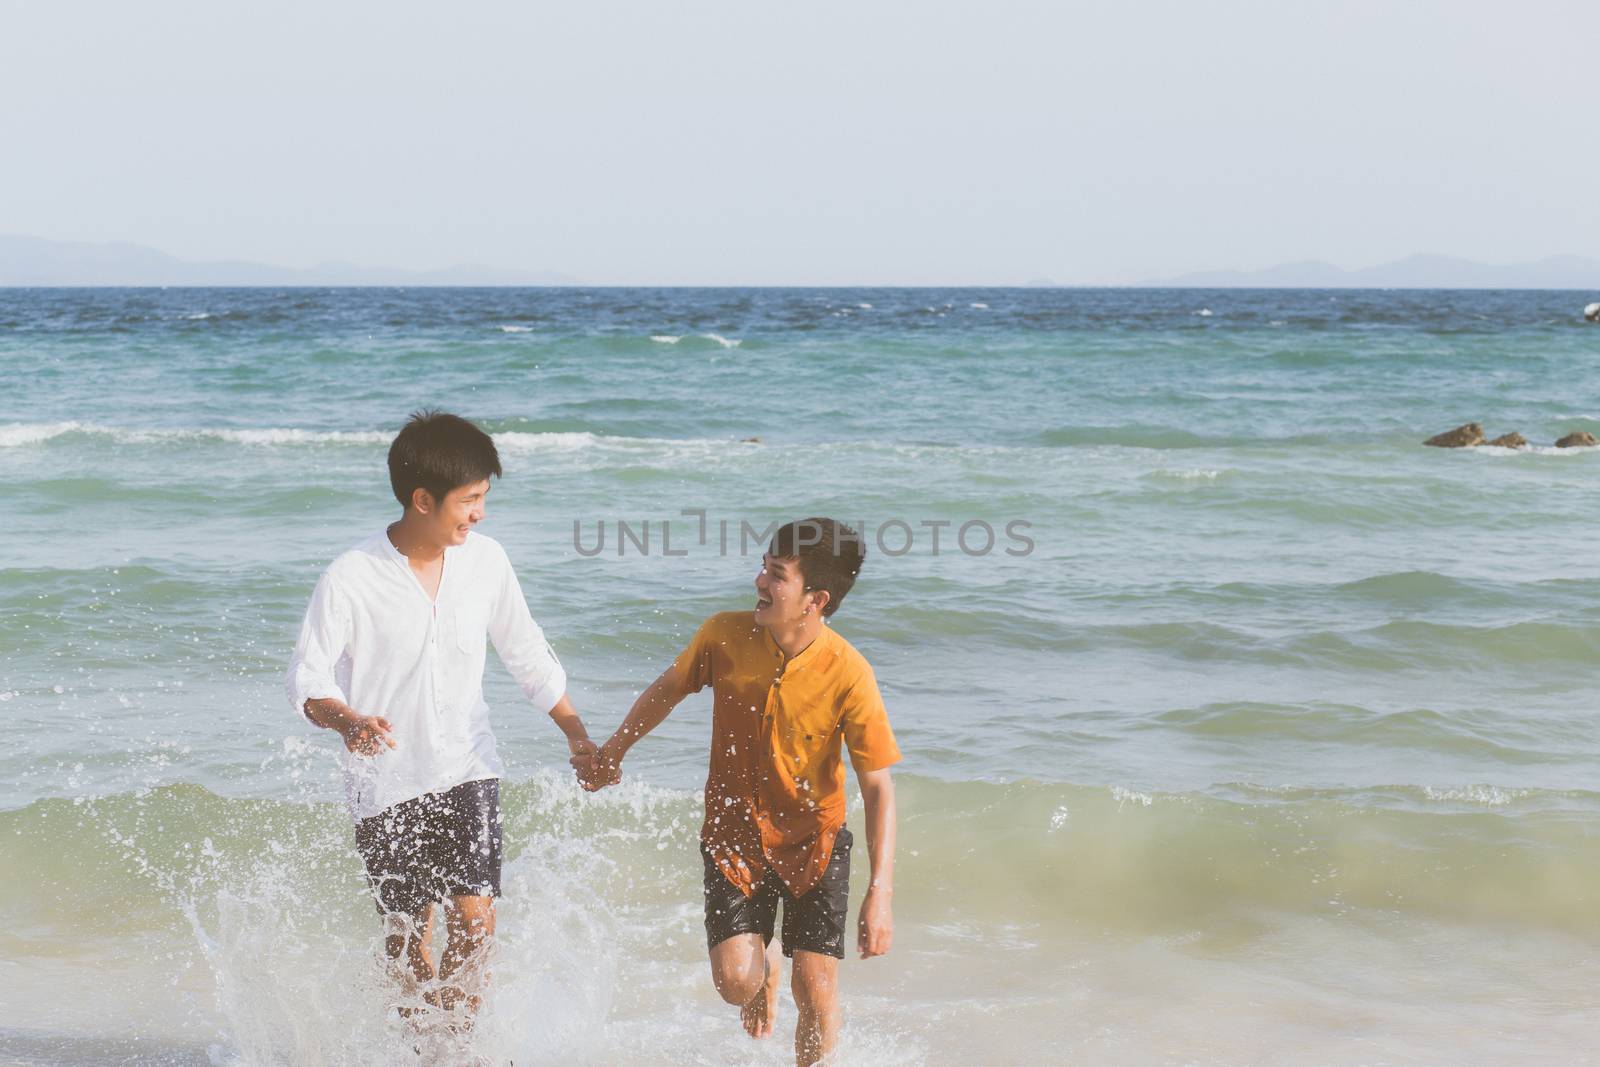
column 601, row 767
column 875, row 928
column 608, row 764
column 367, row 735
column 582, row 761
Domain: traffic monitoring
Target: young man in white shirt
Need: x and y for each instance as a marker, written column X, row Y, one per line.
column 391, row 655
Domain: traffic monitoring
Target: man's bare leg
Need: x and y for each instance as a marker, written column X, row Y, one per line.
column 745, row 973
column 408, row 943
column 816, row 995
column 464, row 967
column 759, row 1012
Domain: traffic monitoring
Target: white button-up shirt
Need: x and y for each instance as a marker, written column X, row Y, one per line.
column 373, row 639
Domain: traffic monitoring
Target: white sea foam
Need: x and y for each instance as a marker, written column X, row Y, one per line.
column 32, row 433
column 1533, row 450
column 198, row 315
column 516, row 329
column 298, row 437
column 692, row 449
column 20, row 434
column 1125, row 797
column 980, row 307
column 295, row 987
column 864, row 307
column 524, row 443
column 36, row 433
column 725, row 342
column 1193, row 475
column 1487, row 795
column 665, row 338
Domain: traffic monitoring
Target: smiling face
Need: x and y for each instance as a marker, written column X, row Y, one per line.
column 452, row 519
column 781, row 597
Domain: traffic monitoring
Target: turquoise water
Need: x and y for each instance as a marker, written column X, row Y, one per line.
column 1270, row 739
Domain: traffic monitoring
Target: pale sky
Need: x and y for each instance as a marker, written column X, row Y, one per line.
column 750, row 142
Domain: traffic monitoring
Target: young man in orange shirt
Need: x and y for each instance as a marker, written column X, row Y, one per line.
column 788, row 690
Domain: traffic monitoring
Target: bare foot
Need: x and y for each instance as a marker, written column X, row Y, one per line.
column 759, row 1014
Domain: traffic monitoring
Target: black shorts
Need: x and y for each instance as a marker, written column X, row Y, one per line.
column 436, row 846
column 814, row 922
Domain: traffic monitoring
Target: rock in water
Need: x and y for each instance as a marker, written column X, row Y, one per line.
column 1581, row 439
column 1592, row 312
column 1464, row 436
column 1510, row 440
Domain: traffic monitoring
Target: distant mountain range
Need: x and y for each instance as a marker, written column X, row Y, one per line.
column 1413, row 272
column 29, row 261
column 35, row 261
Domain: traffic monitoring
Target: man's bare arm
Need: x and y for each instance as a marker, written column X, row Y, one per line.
column 583, row 750
column 648, row 712
column 875, row 929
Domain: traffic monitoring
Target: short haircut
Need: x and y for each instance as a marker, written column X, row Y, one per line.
column 439, row 452
column 830, row 555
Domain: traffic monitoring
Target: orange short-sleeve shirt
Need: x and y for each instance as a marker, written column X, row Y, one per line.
column 775, row 787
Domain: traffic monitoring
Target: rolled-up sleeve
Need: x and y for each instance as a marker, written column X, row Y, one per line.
column 324, row 638
column 521, row 644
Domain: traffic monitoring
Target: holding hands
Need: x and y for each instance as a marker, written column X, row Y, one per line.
column 596, row 766
column 585, row 754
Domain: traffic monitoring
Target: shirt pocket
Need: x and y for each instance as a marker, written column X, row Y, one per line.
column 471, row 623
column 804, row 741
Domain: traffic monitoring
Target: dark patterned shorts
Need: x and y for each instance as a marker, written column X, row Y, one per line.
column 814, row 922
column 436, row 846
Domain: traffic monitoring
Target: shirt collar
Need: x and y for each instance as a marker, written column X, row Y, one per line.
column 824, row 640
column 396, row 556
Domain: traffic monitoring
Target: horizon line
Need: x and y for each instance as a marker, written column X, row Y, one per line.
column 1023, row 287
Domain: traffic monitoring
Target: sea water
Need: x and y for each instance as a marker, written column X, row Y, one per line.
column 1238, row 726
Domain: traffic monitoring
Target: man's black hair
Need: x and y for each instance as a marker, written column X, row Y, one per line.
column 439, row 452
column 830, row 555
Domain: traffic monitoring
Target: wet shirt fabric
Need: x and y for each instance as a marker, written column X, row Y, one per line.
column 373, row 639
column 775, row 787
